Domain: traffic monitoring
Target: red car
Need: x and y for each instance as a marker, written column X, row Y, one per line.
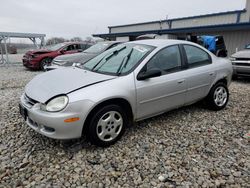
column 37, row 59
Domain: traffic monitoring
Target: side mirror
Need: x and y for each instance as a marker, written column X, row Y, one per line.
column 62, row 51
column 149, row 74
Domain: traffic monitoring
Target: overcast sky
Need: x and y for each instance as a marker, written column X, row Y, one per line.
column 69, row 18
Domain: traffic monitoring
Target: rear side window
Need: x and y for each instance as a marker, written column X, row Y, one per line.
column 196, row 56
column 167, row 60
column 84, row 46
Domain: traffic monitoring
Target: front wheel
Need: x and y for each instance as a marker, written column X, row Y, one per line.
column 107, row 125
column 45, row 62
column 218, row 96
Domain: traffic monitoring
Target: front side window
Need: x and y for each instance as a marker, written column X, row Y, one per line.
column 167, row 60
column 118, row 60
column 71, row 47
column 196, row 56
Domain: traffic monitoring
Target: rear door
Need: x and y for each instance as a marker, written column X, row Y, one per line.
column 200, row 73
column 159, row 94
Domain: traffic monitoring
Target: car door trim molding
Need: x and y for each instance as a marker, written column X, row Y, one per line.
column 163, row 96
column 197, row 87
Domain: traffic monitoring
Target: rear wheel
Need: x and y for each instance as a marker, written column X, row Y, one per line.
column 45, row 62
column 107, row 125
column 218, row 96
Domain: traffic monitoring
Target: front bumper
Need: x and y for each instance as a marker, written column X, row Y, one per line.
column 51, row 124
column 52, row 67
column 31, row 63
column 241, row 68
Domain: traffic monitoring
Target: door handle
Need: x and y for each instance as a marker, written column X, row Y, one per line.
column 211, row 73
column 181, row 81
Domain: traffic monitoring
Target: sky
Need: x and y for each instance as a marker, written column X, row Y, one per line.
column 82, row 18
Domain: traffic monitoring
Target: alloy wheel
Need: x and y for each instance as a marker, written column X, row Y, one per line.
column 220, row 96
column 109, row 126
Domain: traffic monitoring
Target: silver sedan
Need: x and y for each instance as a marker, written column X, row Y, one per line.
column 128, row 83
column 241, row 62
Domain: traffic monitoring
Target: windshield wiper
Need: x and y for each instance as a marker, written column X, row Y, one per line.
column 124, row 63
column 107, row 58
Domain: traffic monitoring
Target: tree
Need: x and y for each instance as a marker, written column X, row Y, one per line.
column 89, row 40
column 76, row 39
column 55, row 40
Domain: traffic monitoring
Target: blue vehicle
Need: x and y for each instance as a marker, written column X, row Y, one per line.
column 215, row 44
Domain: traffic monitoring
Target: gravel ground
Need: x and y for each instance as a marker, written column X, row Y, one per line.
column 188, row 147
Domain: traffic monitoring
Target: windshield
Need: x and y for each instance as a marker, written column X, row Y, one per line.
column 118, row 60
column 55, row 47
column 97, row 48
column 248, row 46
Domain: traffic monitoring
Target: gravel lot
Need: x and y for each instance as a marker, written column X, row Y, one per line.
column 188, row 147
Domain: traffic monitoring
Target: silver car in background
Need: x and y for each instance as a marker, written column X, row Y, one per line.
column 80, row 58
column 241, row 62
column 127, row 83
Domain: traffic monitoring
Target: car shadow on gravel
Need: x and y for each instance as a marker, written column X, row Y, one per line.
column 71, row 147
column 242, row 80
column 31, row 70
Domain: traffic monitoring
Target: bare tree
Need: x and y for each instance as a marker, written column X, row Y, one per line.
column 76, row 39
column 55, row 40
column 89, row 40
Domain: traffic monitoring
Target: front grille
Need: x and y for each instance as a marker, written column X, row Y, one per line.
column 243, row 64
column 27, row 56
column 242, row 59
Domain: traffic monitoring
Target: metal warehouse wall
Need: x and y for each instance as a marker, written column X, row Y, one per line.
column 211, row 20
column 233, row 39
column 139, row 27
column 192, row 22
column 245, row 17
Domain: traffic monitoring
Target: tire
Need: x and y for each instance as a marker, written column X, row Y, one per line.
column 107, row 125
column 45, row 61
column 218, row 97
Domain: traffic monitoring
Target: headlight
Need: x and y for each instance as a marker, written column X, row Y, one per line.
column 56, row 104
column 34, row 55
column 232, row 58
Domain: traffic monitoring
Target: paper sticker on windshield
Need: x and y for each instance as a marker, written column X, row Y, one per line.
column 140, row 49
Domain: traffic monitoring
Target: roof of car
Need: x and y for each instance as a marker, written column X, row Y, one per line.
column 161, row 42
column 71, row 42
column 110, row 42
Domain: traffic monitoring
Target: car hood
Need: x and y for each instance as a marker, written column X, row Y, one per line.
column 40, row 51
column 75, row 58
column 61, row 81
column 242, row 54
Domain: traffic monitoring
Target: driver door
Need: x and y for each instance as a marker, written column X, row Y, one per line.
column 168, row 91
column 71, row 49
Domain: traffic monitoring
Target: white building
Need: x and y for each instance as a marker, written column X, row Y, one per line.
column 234, row 26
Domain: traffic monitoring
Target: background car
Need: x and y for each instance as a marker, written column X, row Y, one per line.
column 214, row 44
column 37, row 59
column 81, row 58
column 130, row 82
column 241, row 62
